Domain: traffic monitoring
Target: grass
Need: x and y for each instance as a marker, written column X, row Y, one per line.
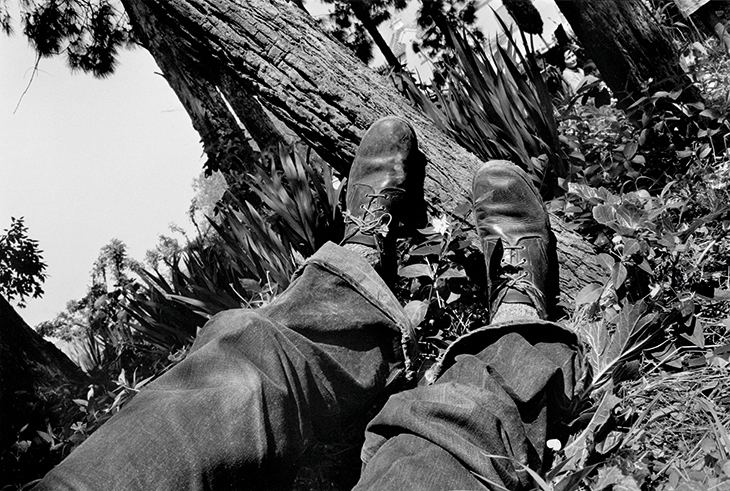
column 677, row 428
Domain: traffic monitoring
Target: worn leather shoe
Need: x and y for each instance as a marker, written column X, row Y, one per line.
column 518, row 244
column 385, row 187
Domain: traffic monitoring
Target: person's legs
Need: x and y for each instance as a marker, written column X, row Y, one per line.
column 259, row 385
column 501, row 391
column 487, row 415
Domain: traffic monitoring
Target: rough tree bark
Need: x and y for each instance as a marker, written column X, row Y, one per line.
column 29, row 367
column 627, row 44
column 273, row 53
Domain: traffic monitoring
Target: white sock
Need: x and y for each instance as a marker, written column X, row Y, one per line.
column 511, row 311
column 370, row 254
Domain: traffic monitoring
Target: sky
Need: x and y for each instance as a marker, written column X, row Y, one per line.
column 85, row 160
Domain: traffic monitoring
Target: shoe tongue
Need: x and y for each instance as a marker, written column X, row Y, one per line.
column 513, row 295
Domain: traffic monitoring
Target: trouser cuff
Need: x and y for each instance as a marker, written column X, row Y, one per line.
column 533, row 330
column 354, row 270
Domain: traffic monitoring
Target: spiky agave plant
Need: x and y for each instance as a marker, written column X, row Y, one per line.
column 496, row 105
column 253, row 254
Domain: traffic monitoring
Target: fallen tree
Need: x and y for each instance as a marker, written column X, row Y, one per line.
column 256, row 73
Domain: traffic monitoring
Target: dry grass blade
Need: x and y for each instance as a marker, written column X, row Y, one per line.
column 681, row 427
column 718, row 427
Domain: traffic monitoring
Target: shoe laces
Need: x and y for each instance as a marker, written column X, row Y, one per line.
column 511, row 273
column 513, row 276
column 373, row 220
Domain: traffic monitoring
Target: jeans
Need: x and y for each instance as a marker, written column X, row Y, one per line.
column 258, row 386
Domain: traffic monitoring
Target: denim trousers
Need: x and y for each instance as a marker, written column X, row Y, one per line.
column 259, row 386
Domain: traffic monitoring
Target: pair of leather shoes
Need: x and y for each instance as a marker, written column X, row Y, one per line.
column 385, row 201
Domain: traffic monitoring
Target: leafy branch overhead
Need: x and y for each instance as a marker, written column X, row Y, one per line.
column 22, row 270
column 89, row 34
column 525, row 15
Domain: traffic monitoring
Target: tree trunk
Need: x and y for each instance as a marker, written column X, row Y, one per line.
column 627, row 44
column 29, row 368
column 272, row 52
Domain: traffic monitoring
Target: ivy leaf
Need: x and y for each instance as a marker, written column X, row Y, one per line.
column 644, row 265
column 590, row 194
column 634, row 332
column 589, row 294
column 606, row 261
column 452, row 273
column 458, row 245
column 623, row 219
column 463, row 209
column 706, row 149
column 709, row 113
column 631, row 247
column 45, row 436
column 415, row 271
column 426, row 250
column 683, row 154
column 667, row 241
column 630, row 150
column 416, row 311
column 619, row 275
